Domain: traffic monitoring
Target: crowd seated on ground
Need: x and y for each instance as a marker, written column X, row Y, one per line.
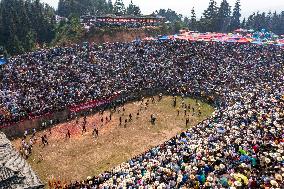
column 240, row 146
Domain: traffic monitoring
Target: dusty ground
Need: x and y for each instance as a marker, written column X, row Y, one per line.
column 83, row 155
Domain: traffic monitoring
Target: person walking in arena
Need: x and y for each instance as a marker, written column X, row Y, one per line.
column 68, row 134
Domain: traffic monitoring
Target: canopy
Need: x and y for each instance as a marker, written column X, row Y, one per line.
column 240, row 30
column 2, row 61
column 243, row 40
column 231, row 40
column 257, row 42
column 163, row 38
column 149, row 39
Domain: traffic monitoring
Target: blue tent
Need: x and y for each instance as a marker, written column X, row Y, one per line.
column 2, row 61
column 279, row 44
column 163, row 38
column 257, row 42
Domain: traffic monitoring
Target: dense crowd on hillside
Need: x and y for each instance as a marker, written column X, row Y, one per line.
column 51, row 80
column 240, row 146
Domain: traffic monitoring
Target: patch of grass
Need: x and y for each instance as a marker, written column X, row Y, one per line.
column 82, row 156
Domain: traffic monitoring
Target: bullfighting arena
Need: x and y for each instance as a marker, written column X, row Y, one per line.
column 82, row 155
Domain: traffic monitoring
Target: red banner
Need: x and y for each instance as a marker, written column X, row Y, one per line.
column 76, row 108
column 92, row 104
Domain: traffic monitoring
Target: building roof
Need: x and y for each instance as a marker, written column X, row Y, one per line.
column 131, row 16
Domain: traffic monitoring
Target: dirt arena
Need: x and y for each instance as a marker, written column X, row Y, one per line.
column 85, row 155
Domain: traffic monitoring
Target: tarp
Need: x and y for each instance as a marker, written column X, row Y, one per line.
column 2, row 61
column 257, row 42
column 243, row 40
column 231, row 40
column 149, row 39
column 163, row 38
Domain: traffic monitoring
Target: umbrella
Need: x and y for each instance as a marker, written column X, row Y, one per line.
column 2, row 61
column 243, row 40
column 240, row 176
column 201, row 178
column 221, row 130
column 242, row 151
column 224, row 182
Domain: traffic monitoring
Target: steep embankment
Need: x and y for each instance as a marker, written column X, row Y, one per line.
column 102, row 35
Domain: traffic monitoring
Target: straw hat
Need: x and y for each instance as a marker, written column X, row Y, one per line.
column 273, row 183
column 267, row 160
column 208, row 184
column 278, row 177
column 243, row 165
column 211, row 158
column 280, row 150
column 216, row 167
column 238, row 183
column 222, row 166
column 265, row 153
column 210, row 179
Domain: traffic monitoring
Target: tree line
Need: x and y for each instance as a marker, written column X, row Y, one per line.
column 96, row 7
column 225, row 18
column 26, row 24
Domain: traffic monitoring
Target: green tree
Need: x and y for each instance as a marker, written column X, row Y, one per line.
column 210, row 16
column 25, row 23
column 69, row 32
column 76, row 7
column 14, row 45
column 223, row 17
column 109, row 7
column 186, row 21
column 243, row 24
column 193, row 21
column 133, row 9
column 276, row 23
column 119, row 8
column 30, row 41
column 174, row 19
column 170, row 15
column 100, row 7
column 235, row 20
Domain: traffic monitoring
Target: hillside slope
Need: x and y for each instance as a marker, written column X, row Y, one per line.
column 103, row 35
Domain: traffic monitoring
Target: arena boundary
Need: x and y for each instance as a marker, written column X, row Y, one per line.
column 16, row 130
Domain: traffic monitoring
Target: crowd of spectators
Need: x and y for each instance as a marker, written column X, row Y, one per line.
column 240, row 146
column 125, row 24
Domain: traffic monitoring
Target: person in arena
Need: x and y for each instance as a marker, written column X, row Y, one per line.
column 68, row 134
